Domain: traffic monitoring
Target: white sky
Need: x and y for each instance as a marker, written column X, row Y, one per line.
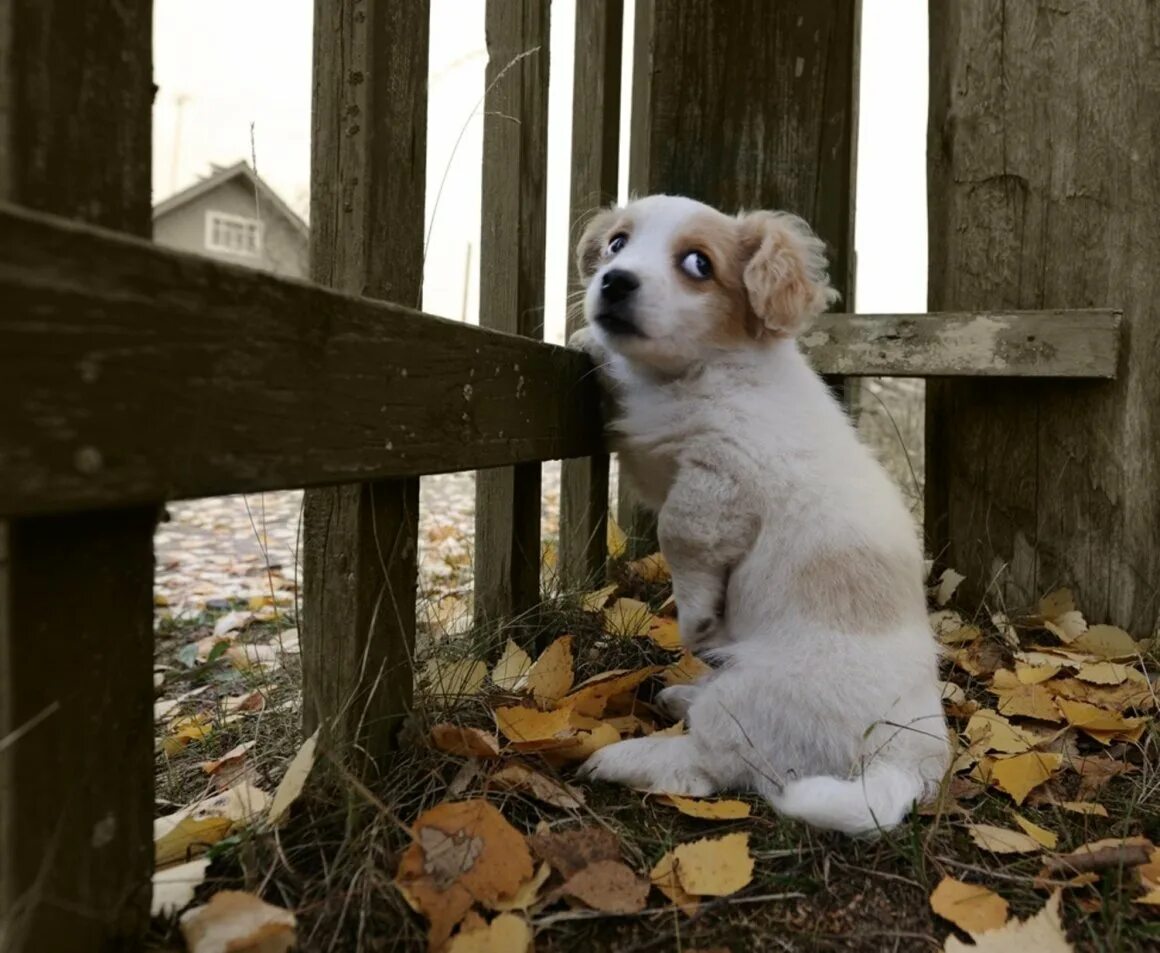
column 236, row 62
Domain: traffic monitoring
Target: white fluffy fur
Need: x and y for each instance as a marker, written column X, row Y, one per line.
column 825, row 697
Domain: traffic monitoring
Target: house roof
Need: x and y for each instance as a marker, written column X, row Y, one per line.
column 223, row 174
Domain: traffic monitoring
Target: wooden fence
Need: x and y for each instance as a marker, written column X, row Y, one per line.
column 131, row 375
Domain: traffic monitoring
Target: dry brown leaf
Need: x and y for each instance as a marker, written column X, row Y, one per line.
column 1042, row 933
column 511, row 668
column 294, row 780
column 527, row 896
column 232, row 767
column 1095, row 772
column 608, row 886
column 237, row 922
column 519, row 777
column 688, row 668
column 628, row 618
column 1045, row 837
column 987, row 730
column 1129, row 694
column 198, row 827
column 1001, row 840
column 666, row 633
column 1084, row 807
column 570, row 851
column 706, row 809
column 595, row 601
column 651, row 569
column 530, row 729
column 507, row 933
column 466, row 742
column 970, row 907
column 1021, row 773
column 591, row 697
column 463, row 852
column 550, row 677
column 714, row 866
column 982, row 657
column 664, row 877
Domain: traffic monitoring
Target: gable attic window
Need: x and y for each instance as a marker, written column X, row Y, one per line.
column 233, row 234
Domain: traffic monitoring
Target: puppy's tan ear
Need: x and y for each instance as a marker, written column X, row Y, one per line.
column 785, row 274
column 591, row 245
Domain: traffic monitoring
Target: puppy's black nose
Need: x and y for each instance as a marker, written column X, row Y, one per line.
column 617, row 285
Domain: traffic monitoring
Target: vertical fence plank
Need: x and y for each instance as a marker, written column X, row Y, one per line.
column 76, row 607
column 595, row 158
column 368, row 174
column 777, row 133
column 511, row 295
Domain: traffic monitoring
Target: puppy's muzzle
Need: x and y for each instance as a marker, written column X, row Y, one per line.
column 615, row 311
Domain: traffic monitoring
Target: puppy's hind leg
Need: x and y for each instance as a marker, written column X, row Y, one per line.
column 668, row 765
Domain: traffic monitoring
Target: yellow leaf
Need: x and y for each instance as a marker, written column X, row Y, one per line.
column 591, row 697
column 1135, row 692
column 1027, row 701
column 1056, row 603
column 526, row 896
column 629, row 618
column 710, row 810
column 1034, row 674
column 507, row 933
column 184, row 730
column 1104, row 673
column 519, row 777
column 530, row 729
column 1000, row 840
column 1090, row 717
column 445, row 680
column 688, row 668
column 511, row 668
column 595, row 601
column 1045, row 837
column 1042, row 933
column 666, row 633
column 465, row 742
column 551, row 674
column 294, row 780
column 1107, row 642
column 195, row 828
column 617, row 541
column 1085, row 807
column 1020, row 774
column 987, row 730
column 664, row 877
column 714, row 866
column 651, row 569
column 240, row 923
column 1151, row 898
column 970, row 907
column 672, row 731
column 587, row 744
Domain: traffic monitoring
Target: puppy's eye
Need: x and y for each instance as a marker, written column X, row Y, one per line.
column 697, row 265
column 619, row 240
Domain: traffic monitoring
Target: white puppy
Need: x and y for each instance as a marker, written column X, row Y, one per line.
column 796, row 566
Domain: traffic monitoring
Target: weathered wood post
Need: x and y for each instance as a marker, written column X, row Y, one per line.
column 76, row 605
column 749, row 104
column 511, row 286
column 1045, row 193
column 595, row 159
column 368, row 177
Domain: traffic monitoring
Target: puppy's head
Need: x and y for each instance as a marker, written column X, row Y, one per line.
column 670, row 279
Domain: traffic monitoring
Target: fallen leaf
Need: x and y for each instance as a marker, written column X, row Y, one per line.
column 1084, row 807
column 446, row 680
column 1027, row 701
column 1085, row 716
column 519, row 777
column 463, row 852
column 987, row 730
column 466, row 742
column 666, row 633
column 1107, row 642
column 528, row 894
column 651, row 569
column 595, row 601
column 507, row 933
column 1067, row 627
column 231, row 767
column 550, row 676
column 1151, row 898
column 1095, row 772
column 252, row 655
column 711, row 810
column 174, row 887
column 970, row 907
column 1104, row 673
column 1129, row 694
column 232, row 622
column 251, row 701
column 1045, row 837
column 198, row 827
column 664, row 877
column 186, row 730
column 591, row 697
column 237, row 922
column 714, row 866
column 1042, row 933
column 1021, row 773
column 570, row 851
column 951, row 693
column 1000, row 840
column 688, row 668
column 1056, row 603
column 948, row 582
column 627, row 618
column 617, row 541
column 1007, row 631
column 608, row 886
column 1034, row 674
column 982, row 657
column 294, row 780
column 511, row 668
column 530, row 729
column 673, row 731
column 587, row 744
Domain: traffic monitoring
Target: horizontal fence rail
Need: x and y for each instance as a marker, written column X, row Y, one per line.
column 131, row 373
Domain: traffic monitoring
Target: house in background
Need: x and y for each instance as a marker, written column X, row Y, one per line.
column 234, row 216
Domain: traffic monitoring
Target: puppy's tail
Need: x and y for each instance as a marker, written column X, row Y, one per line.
column 875, row 801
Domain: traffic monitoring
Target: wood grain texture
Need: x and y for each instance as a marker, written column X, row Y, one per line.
column 76, row 608
column 1043, row 194
column 1051, row 344
column 360, row 540
column 132, row 373
column 595, row 160
column 511, row 286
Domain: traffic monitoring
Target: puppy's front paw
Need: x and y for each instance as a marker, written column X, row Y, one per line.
column 667, row 765
column 583, row 339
